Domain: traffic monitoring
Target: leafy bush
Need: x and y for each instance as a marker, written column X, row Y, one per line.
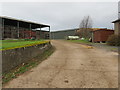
column 114, row 40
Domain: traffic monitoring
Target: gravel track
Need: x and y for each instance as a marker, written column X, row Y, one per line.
column 72, row 66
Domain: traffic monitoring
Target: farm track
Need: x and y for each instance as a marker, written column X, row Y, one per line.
column 72, row 66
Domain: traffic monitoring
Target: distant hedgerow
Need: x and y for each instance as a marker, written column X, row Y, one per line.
column 114, row 40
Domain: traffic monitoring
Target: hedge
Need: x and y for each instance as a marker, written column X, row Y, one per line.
column 27, row 45
column 114, row 40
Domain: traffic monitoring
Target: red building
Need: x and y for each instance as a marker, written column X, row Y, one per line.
column 28, row 34
column 102, row 35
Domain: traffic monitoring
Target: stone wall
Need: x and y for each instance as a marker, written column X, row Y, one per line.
column 14, row 57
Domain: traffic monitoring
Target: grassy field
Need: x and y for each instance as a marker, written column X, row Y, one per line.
column 80, row 41
column 5, row 44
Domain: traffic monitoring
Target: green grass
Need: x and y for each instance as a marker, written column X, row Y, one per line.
column 5, row 44
column 6, row 77
column 80, row 41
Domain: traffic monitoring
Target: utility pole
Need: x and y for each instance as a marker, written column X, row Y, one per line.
column 18, row 29
column 3, row 29
column 30, row 31
column 49, row 34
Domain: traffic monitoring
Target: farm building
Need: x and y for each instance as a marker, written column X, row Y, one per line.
column 101, row 35
column 117, row 27
column 20, row 29
column 62, row 34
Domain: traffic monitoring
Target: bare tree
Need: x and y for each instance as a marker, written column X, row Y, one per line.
column 85, row 27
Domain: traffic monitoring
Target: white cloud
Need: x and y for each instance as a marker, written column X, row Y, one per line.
column 59, row 0
column 63, row 15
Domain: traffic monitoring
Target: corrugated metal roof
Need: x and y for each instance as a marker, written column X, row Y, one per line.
column 95, row 29
column 10, row 18
column 103, row 30
column 66, row 30
column 116, row 21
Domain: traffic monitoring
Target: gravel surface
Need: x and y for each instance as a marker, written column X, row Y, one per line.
column 106, row 47
column 72, row 66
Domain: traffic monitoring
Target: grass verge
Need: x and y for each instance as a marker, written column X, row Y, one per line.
column 6, row 77
column 81, row 41
column 97, row 45
column 11, row 44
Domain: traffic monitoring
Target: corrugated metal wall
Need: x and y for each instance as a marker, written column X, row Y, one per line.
column 62, row 34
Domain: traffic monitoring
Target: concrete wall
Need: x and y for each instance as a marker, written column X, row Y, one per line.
column 14, row 57
column 117, row 28
column 62, row 34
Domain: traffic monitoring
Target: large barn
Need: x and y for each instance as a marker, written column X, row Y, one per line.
column 21, row 29
column 62, row 34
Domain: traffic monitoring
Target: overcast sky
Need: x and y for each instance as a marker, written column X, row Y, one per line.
column 63, row 15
